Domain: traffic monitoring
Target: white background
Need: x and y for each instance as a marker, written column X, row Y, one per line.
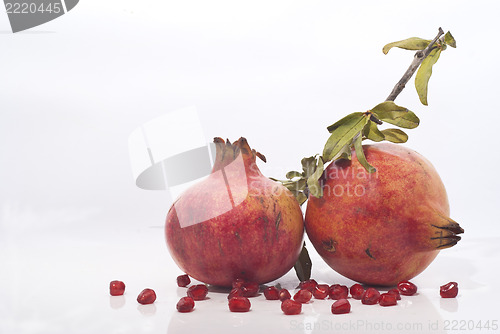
column 276, row 72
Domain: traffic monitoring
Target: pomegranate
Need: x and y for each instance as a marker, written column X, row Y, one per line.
column 236, row 223
column 272, row 293
column 239, row 304
column 116, row 288
column 383, row 227
column 147, row 296
column 449, row 290
column 185, row 304
column 291, row 307
column 341, row 306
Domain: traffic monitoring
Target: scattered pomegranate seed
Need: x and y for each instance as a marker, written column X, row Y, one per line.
column 395, row 292
column 310, row 284
column 449, row 290
column 407, row 288
column 147, row 296
column 387, row 299
column 250, row 289
column 185, row 304
column 116, row 288
column 321, row 291
column 238, row 282
column 337, row 291
column 291, row 307
column 235, row 292
column 357, row 291
column 303, row 296
column 284, row 294
column 183, row 281
column 370, row 296
column 272, row 293
column 239, row 304
column 341, row 306
column 197, row 292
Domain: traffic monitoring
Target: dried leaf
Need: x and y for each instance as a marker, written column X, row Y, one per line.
column 303, row 265
column 412, row 43
column 290, row 175
column 393, row 114
column 360, row 154
column 448, row 39
column 346, row 119
column 372, row 132
column 308, row 165
column 395, row 135
column 313, row 184
column 424, row 73
column 343, row 134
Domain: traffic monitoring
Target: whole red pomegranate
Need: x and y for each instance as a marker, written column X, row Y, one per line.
column 236, row 223
column 384, row 227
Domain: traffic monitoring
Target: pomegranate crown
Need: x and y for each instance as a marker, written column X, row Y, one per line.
column 226, row 152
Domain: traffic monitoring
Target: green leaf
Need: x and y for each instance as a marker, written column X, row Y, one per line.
column 345, row 153
column 299, row 196
column 424, row 73
column 313, row 184
column 391, row 113
column 358, row 147
column 395, row 135
column 303, row 265
column 290, row 175
column 412, row 43
column 372, row 132
column 348, row 118
column 308, row 166
column 343, row 135
column 448, row 39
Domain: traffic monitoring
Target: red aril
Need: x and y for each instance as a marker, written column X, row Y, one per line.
column 284, row 294
column 303, row 296
column 337, row 291
column 407, row 288
column 250, row 289
column 271, row 293
column 291, row 307
column 449, row 290
column 197, row 292
column 308, row 285
column 183, row 281
column 116, row 288
column 239, row 304
column 321, row 291
column 237, row 282
column 370, row 296
column 235, row 292
column 185, row 304
column 357, row 291
column 395, row 292
column 387, row 299
column 147, row 296
column 341, row 306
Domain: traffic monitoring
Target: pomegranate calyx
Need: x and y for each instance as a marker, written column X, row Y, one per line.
column 227, row 152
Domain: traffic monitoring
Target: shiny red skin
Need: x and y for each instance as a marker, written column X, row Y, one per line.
column 185, row 304
column 239, row 304
column 116, row 288
column 237, row 282
column 407, row 288
column 337, row 291
column 303, row 296
column 357, row 291
column 258, row 240
column 341, row 306
column 321, row 291
column 291, row 307
column 198, row 292
column 449, row 290
column 235, row 292
column 396, row 293
column 271, row 293
column 370, row 296
column 381, row 228
column 183, row 281
column 250, row 289
column 387, row 299
column 308, row 285
column 284, row 294
column 147, row 296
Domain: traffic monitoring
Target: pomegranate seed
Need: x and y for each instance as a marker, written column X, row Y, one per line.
column 370, row 296
column 239, row 304
column 449, row 290
column 147, row 296
column 407, row 288
column 197, row 292
column 395, row 292
column 310, row 284
column 250, row 289
column 341, row 306
column 183, row 281
column 303, row 296
column 238, row 283
column 321, row 291
column 291, row 307
column 357, row 291
column 116, row 288
column 185, row 304
column 284, row 294
column 387, row 299
column 235, row 292
column 337, row 291
column 272, row 293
